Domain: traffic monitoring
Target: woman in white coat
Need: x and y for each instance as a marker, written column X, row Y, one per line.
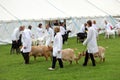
column 57, row 47
column 108, row 26
column 15, row 39
column 62, row 31
column 26, row 44
column 91, row 43
column 49, row 35
column 40, row 31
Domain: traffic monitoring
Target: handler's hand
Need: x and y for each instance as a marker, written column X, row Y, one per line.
column 16, row 41
column 59, row 52
column 25, row 47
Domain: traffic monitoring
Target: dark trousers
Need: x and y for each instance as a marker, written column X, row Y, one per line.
column 15, row 46
column 54, row 60
column 87, row 57
column 63, row 36
column 26, row 57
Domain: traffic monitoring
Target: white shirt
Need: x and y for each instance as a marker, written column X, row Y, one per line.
column 40, row 32
column 117, row 25
column 16, row 34
column 57, row 45
column 91, row 41
column 49, row 36
column 94, row 25
column 82, row 29
column 26, row 40
column 62, row 30
column 108, row 26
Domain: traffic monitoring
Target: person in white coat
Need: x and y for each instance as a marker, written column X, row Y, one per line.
column 62, row 31
column 117, row 28
column 91, row 43
column 82, row 33
column 26, row 44
column 82, row 28
column 118, row 25
column 15, row 37
column 108, row 26
column 49, row 35
column 57, row 47
column 40, row 31
column 96, row 27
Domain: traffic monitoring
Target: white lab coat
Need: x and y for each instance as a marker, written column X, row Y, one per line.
column 91, row 41
column 107, row 26
column 26, row 40
column 15, row 34
column 82, row 29
column 117, row 25
column 57, row 45
column 40, row 32
column 49, row 36
column 94, row 25
column 62, row 30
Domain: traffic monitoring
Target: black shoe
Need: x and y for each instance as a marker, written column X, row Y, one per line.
column 94, row 65
column 84, row 64
column 61, row 67
column 26, row 62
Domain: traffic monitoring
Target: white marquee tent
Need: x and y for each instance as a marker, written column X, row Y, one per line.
column 14, row 13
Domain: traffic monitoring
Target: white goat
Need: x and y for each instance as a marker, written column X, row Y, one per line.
column 109, row 32
column 38, row 41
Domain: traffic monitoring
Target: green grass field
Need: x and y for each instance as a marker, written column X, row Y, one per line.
column 13, row 68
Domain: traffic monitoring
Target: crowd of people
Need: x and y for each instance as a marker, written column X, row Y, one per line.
column 88, row 34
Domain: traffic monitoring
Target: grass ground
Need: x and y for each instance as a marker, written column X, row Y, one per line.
column 12, row 67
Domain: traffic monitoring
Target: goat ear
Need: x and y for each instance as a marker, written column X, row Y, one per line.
column 49, row 46
column 80, row 54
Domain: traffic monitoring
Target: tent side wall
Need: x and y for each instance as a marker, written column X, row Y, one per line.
column 74, row 24
column 7, row 28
